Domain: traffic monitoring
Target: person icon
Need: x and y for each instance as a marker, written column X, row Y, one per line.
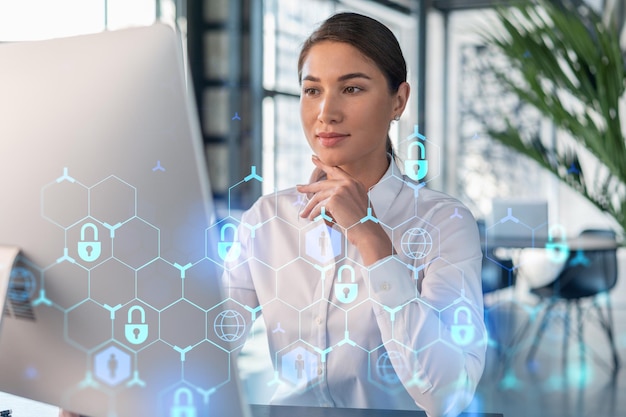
column 299, row 366
column 113, row 363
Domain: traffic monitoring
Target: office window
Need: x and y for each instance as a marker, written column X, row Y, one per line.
column 285, row 149
column 45, row 19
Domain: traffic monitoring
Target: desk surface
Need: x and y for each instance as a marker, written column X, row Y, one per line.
column 290, row 411
column 575, row 243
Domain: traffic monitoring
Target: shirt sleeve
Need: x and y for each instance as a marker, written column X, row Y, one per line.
column 430, row 311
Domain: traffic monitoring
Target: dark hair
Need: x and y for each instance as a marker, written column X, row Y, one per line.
column 371, row 38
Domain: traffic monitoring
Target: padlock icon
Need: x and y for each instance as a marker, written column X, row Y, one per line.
column 557, row 251
column 462, row 334
column 228, row 251
column 183, row 408
column 416, row 169
column 89, row 251
column 136, row 333
column 346, row 292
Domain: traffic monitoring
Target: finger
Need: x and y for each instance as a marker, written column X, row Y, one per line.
column 321, row 209
column 318, row 198
column 317, row 187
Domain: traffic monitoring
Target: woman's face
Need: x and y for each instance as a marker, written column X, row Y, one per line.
column 346, row 106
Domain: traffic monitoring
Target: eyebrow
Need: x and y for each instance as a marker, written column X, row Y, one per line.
column 344, row 77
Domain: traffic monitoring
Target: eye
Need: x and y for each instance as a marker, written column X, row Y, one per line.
column 352, row 89
column 310, row 91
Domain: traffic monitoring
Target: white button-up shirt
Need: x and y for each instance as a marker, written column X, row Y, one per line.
column 405, row 331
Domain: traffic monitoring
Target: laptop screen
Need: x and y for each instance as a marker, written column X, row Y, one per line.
column 518, row 219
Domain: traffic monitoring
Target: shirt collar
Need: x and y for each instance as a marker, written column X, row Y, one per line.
column 384, row 192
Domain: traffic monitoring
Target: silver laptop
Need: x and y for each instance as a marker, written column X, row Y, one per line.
column 517, row 219
column 113, row 305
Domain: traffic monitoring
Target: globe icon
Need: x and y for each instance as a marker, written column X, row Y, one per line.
column 416, row 243
column 385, row 369
column 229, row 325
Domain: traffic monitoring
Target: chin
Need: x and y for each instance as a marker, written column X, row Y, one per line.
column 332, row 160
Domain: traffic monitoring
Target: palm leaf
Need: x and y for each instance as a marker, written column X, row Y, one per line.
column 567, row 64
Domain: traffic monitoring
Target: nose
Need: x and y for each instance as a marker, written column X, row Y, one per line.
column 330, row 109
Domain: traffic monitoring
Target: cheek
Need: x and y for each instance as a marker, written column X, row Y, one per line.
column 371, row 116
column 307, row 115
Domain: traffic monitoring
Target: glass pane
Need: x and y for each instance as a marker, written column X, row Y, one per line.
column 293, row 154
column 44, row 19
column 287, row 24
column 125, row 13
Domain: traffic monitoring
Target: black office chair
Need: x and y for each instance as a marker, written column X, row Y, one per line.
column 586, row 274
column 497, row 274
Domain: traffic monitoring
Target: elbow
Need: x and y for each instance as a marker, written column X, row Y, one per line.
column 450, row 388
column 449, row 400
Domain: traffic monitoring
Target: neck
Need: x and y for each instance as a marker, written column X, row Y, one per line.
column 370, row 172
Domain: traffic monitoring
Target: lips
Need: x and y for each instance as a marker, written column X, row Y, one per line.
column 330, row 139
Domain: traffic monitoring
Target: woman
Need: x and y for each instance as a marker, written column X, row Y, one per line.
column 360, row 312
column 370, row 290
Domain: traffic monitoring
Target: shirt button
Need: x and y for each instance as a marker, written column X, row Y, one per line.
column 385, row 286
column 320, row 371
column 318, row 320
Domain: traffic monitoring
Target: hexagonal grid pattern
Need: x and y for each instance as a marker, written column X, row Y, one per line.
column 110, row 246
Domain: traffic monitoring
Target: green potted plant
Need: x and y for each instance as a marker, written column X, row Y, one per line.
column 567, row 63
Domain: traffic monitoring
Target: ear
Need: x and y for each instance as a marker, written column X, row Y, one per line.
column 401, row 98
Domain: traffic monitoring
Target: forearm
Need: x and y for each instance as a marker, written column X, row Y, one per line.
column 443, row 370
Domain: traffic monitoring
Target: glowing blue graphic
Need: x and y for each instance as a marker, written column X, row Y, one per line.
column 369, row 217
column 416, row 243
column 183, row 403
column 65, row 176
column 346, row 292
column 228, row 250
column 136, row 333
column 229, row 325
column 89, row 251
column 299, row 366
column 112, row 366
column 253, row 175
column 416, row 169
column 158, row 167
column 278, row 329
column 456, row 214
column 385, row 370
column 323, row 216
column 462, row 334
column 21, row 284
column 558, row 251
column 509, row 216
column 580, row 259
column 323, row 243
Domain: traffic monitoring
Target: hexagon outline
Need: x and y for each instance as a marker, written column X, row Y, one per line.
column 107, row 357
column 134, row 190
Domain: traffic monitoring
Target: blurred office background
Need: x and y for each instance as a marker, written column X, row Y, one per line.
column 242, row 57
